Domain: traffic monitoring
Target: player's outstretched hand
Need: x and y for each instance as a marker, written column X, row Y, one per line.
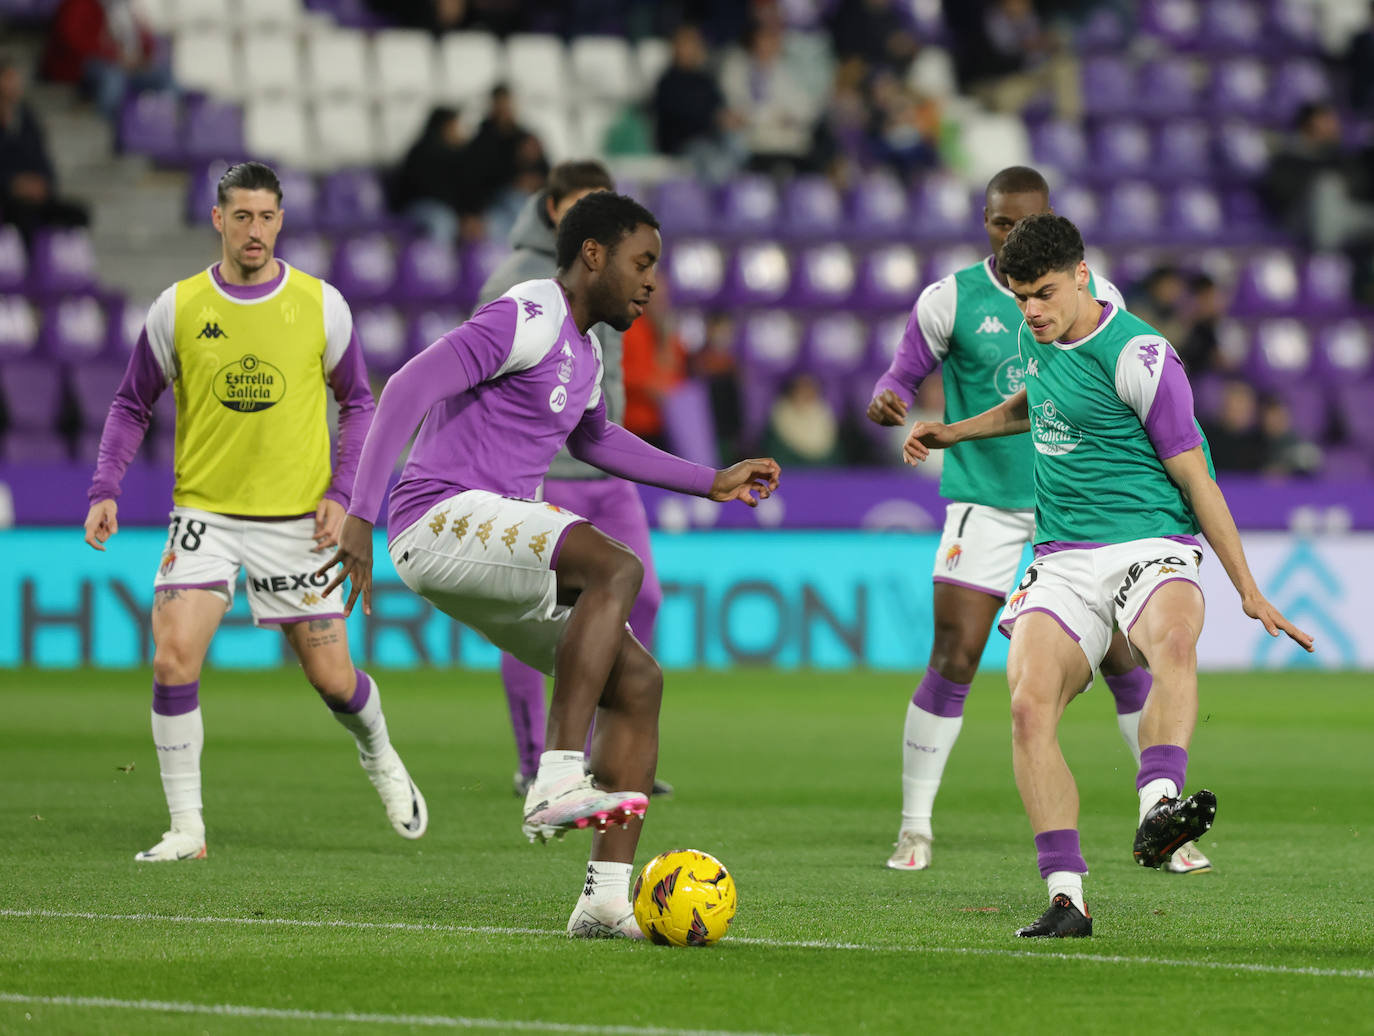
column 741, row 481
column 924, row 437
column 101, row 523
column 355, row 555
column 329, row 517
column 887, row 409
column 1257, row 607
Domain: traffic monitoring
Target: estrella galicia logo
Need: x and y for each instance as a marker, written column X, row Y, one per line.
column 1052, row 432
column 249, row 384
column 1010, row 378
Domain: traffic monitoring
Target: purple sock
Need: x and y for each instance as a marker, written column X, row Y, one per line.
column 176, row 699
column 1130, row 690
column 525, row 698
column 362, row 690
column 940, row 697
column 1162, row 761
column 1058, row 851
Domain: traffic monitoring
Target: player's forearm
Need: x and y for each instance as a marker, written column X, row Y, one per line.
column 1204, row 496
column 1010, row 417
column 356, row 407
column 127, row 421
column 622, row 453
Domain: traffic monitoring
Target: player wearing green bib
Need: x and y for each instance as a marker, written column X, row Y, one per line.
column 966, row 324
column 1122, row 484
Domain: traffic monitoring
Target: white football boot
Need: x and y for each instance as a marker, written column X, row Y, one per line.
column 405, row 806
column 603, row 921
column 175, row 845
column 574, row 802
column 1188, row 859
column 912, row 852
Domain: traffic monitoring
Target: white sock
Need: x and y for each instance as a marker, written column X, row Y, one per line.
column 607, row 883
column 926, row 742
column 1159, row 788
column 1068, row 883
column 179, row 741
column 1129, row 723
column 555, row 765
column 368, row 724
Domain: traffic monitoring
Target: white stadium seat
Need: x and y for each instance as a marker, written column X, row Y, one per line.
column 201, row 14
column 203, row 59
column 604, row 68
column 404, row 63
column 653, row 56
column 160, row 15
column 345, row 133
column 275, row 14
column 336, row 64
column 558, row 129
column 537, row 65
column 399, row 121
column 277, row 130
column 471, row 63
column 269, row 63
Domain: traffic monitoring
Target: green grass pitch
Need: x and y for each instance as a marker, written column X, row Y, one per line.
column 310, row 916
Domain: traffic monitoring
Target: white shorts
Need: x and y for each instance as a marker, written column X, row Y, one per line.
column 1091, row 590
column 487, row 561
column 982, row 547
column 205, row 551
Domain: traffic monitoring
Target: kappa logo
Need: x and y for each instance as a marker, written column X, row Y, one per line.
column 532, row 309
column 211, row 330
column 538, row 544
column 309, row 599
column 1033, row 368
column 992, row 325
column 1149, row 356
column 1137, row 570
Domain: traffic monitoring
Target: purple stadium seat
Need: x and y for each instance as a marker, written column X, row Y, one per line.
column 758, row 274
column 944, row 261
column 824, row 276
column 1326, row 284
column 1079, row 204
column 200, row 195
column 28, row 446
column 878, row 206
column 1232, row 26
column 1134, row 213
column 1122, row 147
column 364, row 267
column 1168, row 86
column 300, row 199
column 835, row 345
column 1101, row 29
column 889, row 278
column 478, row 261
column 1282, row 352
column 150, row 124
column 1242, row 148
column 14, row 260
column 428, row 272
column 696, row 271
column 689, row 425
column 884, row 338
column 811, row 207
column 684, row 206
column 18, row 327
column 75, row 328
column 1109, row 86
column 1296, row 82
column 352, row 199
column 1345, row 350
column 1173, row 22
column 382, row 332
column 1183, row 150
column 309, row 251
column 1061, row 145
column 32, row 393
column 93, row 388
column 125, row 317
column 1194, row 213
column 61, row 261
column 749, row 205
column 430, row 324
column 1355, row 406
column 213, row 129
column 1293, row 27
column 1309, row 406
column 769, row 342
column 1268, row 284
column 941, row 207
column 1240, row 86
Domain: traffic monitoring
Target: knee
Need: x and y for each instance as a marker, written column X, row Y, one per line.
column 1175, row 647
column 1032, row 715
column 174, row 663
column 331, row 682
column 644, row 681
column 955, row 653
column 623, row 573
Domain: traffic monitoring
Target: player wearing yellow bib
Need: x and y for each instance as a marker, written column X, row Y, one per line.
column 1123, row 483
column 248, row 346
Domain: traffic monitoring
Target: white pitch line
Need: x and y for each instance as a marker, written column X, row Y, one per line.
column 430, row 1021
column 807, row 944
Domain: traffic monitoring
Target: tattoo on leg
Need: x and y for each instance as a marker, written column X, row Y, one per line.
column 162, row 597
column 321, row 632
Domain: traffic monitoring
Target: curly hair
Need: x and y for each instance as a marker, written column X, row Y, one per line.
column 604, row 217
column 1038, row 245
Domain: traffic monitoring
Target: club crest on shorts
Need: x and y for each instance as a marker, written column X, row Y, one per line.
column 952, row 556
column 1016, row 600
column 169, row 559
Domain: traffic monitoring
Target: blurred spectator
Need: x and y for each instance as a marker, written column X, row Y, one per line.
column 1163, row 303
column 802, row 429
column 906, row 128
column 28, row 185
column 1007, row 59
column 690, row 115
column 105, row 46
column 438, row 16
column 433, row 185
column 1316, row 186
column 1235, row 441
column 1286, row 452
column 1359, row 66
column 653, row 362
column 874, row 31
column 778, row 112
column 506, row 163
column 714, row 363
column 1200, row 346
column 841, row 141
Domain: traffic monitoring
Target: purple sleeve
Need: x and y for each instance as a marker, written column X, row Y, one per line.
column 611, row 448
column 349, row 382
column 1170, row 424
column 127, row 420
column 468, row 355
column 912, row 364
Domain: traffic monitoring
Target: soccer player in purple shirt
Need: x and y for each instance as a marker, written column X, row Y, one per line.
column 499, row 396
column 249, row 347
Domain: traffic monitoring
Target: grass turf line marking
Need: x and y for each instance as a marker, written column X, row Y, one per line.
column 430, row 1021
column 784, row 944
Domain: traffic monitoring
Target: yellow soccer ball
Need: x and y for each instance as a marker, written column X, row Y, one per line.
column 684, row 897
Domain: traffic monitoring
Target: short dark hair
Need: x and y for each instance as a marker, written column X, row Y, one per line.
column 1039, row 244
column 603, row 216
column 570, row 177
column 247, row 176
column 1017, row 179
